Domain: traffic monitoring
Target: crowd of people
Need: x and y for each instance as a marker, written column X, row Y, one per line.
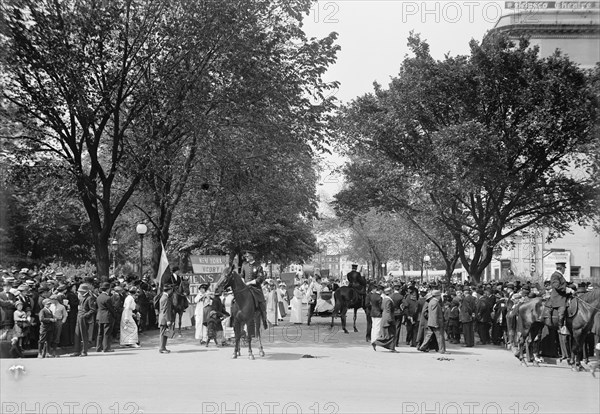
column 44, row 310
column 41, row 309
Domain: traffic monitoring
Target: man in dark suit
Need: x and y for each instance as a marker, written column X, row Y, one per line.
column 175, row 278
column 398, row 301
column 435, row 324
column 376, row 312
column 106, row 317
column 411, row 316
column 559, row 294
column 484, row 317
column 165, row 317
column 423, row 307
column 85, row 316
column 466, row 313
column 356, row 280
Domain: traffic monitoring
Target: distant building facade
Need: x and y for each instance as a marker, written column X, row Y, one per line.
column 574, row 28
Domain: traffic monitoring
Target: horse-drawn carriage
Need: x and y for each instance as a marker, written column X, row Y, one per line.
column 321, row 302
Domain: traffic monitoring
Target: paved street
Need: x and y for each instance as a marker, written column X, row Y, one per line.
column 344, row 375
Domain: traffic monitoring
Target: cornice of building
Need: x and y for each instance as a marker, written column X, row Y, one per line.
column 553, row 30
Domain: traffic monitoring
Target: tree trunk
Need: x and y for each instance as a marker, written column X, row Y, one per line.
column 102, row 258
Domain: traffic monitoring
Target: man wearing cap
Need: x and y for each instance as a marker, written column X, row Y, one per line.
column 559, row 294
column 252, row 273
column 165, row 316
column 106, row 317
column 85, row 317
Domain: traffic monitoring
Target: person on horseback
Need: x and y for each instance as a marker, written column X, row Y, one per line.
column 558, row 296
column 252, row 273
column 357, row 282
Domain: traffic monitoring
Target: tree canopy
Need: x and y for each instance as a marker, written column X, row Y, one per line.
column 481, row 146
column 132, row 99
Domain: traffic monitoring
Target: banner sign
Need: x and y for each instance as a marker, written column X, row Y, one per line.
column 207, row 269
column 551, row 5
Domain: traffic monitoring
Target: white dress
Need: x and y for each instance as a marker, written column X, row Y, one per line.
column 201, row 300
column 296, row 313
column 227, row 330
column 129, row 329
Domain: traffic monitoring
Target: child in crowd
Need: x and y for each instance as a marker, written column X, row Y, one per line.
column 21, row 328
column 214, row 319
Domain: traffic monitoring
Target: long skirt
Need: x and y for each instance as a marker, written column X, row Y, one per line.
column 387, row 339
column 375, row 329
column 296, row 313
column 129, row 332
column 201, row 333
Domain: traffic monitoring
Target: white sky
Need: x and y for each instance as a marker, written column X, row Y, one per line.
column 373, row 34
column 373, row 37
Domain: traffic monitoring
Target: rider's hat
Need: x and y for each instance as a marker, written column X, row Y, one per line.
column 561, row 264
column 354, row 266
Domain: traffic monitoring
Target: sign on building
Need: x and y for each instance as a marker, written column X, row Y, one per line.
column 553, row 257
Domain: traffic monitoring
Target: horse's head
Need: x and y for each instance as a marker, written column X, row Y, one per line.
column 185, row 285
column 225, row 280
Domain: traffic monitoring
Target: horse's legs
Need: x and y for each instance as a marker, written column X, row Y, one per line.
column 261, row 351
column 576, row 349
column 355, row 312
column 237, row 334
column 180, row 316
column 336, row 309
column 251, row 332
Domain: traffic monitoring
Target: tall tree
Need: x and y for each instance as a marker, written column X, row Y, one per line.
column 254, row 112
column 490, row 143
column 76, row 70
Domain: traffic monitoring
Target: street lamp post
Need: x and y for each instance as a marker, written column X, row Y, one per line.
column 115, row 245
column 141, row 229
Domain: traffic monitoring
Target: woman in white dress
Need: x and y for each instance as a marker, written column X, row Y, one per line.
column 296, row 313
column 227, row 302
column 201, row 300
column 271, row 297
column 129, row 329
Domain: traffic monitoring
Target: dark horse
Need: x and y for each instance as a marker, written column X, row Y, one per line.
column 347, row 297
column 581, row 315
column 529, row 320
column 180, row 300
column 244, row 311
